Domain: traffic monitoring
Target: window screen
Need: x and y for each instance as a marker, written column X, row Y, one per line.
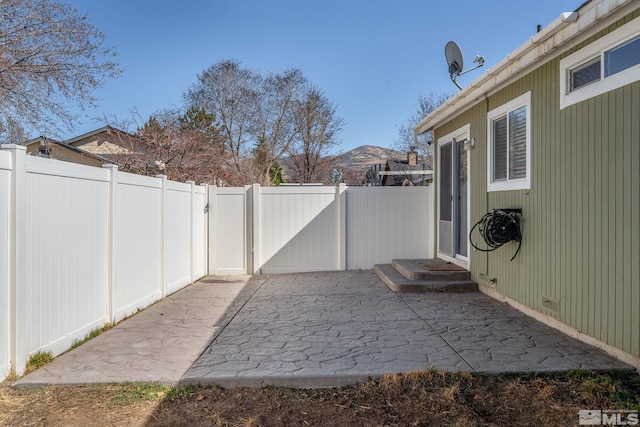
column 584, row 74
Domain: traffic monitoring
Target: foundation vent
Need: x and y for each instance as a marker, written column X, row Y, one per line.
column 551, row 305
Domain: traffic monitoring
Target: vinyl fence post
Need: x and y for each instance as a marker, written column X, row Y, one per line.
column 341, row 203
column 17, row 257
column 205, row 229
column 111, row 237
column 163, row 235
column 205, row 238
column 211, row 251
column 255, row 215
column 192, row 201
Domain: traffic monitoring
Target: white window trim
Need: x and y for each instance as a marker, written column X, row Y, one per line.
column 513, row 184
column 597, row 48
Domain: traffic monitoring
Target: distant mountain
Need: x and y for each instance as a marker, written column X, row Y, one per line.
column 367, row 155
column 354, row 163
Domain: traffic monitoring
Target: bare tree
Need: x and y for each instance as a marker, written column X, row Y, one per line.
column 274, row 121
column 229, row 92
column 11, row 132
column 262, row 118
column 426, row 105
column 51, row 58
column 318, row 126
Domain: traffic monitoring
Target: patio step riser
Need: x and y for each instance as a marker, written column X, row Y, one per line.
column 398, row 283
column 413, row 274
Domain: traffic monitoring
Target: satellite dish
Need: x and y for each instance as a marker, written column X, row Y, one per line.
column 454, row 58
column 455, row 61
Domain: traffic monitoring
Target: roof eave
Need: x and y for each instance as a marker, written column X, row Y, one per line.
column 80, row 151
column 567, row 30
column 107, row 128
column 508, row 68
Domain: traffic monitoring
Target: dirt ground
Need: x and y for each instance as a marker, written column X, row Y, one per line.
column 415, row 399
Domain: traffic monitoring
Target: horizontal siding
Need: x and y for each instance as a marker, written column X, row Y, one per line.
column 581, row 217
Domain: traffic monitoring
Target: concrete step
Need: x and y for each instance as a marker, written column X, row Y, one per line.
column 430, row 269
column 398, row 283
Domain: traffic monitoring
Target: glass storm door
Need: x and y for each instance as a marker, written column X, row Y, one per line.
column 453, row 210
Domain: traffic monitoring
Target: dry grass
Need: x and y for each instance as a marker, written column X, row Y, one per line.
column 9, row 405
column 415, row 398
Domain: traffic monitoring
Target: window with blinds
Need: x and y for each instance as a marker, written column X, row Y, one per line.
column 518, row 143
column 509, row 145
column 500, row 149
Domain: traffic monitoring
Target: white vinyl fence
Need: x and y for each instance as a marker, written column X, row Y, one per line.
column 386, row 223
column 255, row 230
column 6, row 244
column 82, row 246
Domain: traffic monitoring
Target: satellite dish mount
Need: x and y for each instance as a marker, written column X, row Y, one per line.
column 455, row 61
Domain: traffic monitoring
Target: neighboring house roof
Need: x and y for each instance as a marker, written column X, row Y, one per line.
column 540, row 48
column 92, row 133
column 79, row 151
column 44, row 142
column 92, row 148
column 105, row 141
column 40, row 140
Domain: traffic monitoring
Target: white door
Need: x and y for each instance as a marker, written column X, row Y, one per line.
column 453, row 200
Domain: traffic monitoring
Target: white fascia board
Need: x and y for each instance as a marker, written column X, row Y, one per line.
column 548, row 41
column 506, row 68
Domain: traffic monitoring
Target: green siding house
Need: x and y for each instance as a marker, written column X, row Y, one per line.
column 554, row 130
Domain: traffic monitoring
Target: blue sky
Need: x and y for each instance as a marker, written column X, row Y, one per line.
column 371, row 58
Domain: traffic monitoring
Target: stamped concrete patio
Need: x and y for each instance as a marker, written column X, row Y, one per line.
column 315, row 330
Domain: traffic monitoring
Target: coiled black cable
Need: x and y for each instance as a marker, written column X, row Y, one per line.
column 497, row 228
